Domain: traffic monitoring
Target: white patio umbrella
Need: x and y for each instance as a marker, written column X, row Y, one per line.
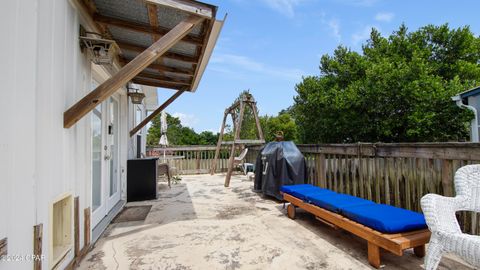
column 163, row 130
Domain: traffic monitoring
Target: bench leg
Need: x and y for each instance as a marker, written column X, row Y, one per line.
column 291, row 211
column 419, row 251
column 374, row 255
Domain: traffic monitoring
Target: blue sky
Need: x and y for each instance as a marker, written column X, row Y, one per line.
column 268, row 45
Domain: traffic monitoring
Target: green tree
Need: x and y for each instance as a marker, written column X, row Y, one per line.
column 398, row 90
column 207, row 138
column 178, row 134
column 283, row 122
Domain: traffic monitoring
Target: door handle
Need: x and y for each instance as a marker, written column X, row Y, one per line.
column 107, row 157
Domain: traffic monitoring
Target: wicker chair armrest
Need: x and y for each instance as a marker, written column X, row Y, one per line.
column 439, row 213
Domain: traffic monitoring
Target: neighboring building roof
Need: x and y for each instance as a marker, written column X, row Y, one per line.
column 135, row 25
column 472, row 92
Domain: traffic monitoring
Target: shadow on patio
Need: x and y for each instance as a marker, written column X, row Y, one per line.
column 199, row 224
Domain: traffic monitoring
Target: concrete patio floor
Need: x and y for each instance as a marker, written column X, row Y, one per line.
column 199, row 224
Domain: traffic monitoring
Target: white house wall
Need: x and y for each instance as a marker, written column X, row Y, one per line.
column 18, row 21
column 43, row 73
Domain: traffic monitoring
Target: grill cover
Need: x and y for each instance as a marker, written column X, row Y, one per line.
column 279, row 164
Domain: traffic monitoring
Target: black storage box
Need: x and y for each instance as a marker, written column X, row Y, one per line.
column 142, row 179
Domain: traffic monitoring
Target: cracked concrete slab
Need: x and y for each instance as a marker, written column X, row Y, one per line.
column 199, row 224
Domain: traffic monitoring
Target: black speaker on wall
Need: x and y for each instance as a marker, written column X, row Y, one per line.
column 139, row 146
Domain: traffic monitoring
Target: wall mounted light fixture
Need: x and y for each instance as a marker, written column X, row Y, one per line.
column 135, row 95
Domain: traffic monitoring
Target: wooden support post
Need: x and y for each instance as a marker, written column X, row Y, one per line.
column 129, row 71
column 419, row 251
column 257, row 121
column 231, row 160
column 86, row 229
column 76, row 226
column 219, row 143
column 37, row 245
column 291, row 211
column 156, row 112
column 3, row 247
column 374, row 255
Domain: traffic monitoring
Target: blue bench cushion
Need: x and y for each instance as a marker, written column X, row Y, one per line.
column 302, row 191
column 385, row 218
column 336, row 202
column 288, row 188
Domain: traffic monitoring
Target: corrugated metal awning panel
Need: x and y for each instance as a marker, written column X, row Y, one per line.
column 133, row 25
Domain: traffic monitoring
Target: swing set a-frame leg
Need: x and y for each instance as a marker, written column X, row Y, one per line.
column 219, row 144
column 231, row 160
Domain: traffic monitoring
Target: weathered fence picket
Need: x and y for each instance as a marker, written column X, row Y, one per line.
column 192, row 159
column 396, row 174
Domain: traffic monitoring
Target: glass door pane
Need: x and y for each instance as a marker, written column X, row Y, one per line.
column 114, row 124
column 96, row 158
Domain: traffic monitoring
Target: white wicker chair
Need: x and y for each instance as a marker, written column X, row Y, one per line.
column 439, row 212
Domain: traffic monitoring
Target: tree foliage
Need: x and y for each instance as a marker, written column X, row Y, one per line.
column 282, row 122
column 398, row 90
column 178, row 134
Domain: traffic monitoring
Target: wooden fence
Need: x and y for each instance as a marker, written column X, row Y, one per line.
column 394, row 174
column 192, row 159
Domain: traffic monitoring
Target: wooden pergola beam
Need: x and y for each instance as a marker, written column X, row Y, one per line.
column 154, row 83
column 170, row 55
column 129, row 71
column 193, row 7
column 162, row 78
column 153, row 18
column 143, row 28
column 156, row 112
column 164, row 68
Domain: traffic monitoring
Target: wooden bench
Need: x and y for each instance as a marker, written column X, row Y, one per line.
column 395, row 243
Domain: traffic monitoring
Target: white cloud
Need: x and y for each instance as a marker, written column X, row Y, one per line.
column 227, row 62
column 285, row 7
column 334, row 26
column 384, row 16
column 188, row 120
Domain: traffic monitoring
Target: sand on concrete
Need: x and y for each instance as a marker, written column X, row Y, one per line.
column 200, row 224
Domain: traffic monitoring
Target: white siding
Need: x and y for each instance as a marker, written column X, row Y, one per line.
column 43, row 73
column 17, row 136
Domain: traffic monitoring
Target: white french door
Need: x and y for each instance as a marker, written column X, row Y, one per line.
column 113, row 157
column 105, row 158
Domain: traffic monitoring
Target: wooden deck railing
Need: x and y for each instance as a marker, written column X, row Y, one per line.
column 395, row 174
column 192, row 159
